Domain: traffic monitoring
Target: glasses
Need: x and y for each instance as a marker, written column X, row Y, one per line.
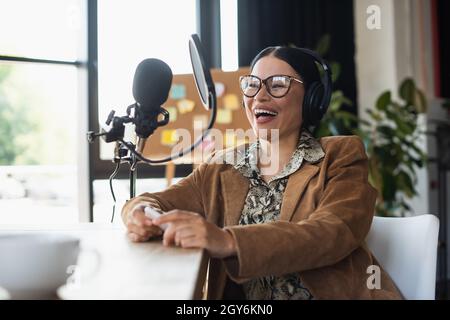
column 277, row 86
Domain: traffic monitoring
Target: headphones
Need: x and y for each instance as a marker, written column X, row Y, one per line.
column 318, row 96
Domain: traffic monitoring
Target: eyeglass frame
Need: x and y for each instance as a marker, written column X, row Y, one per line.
column 261, row 81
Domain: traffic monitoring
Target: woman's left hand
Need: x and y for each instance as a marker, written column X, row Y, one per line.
column 190, row 230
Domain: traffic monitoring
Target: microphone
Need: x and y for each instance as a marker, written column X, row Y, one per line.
column 151, row 86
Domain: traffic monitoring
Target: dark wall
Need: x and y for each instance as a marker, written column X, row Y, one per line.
column 443, row 10
column 208, row 28
column 301, row 23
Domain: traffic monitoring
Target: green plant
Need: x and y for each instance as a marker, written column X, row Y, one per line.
column 391, row 140
column 16, row 124
column 390, row 137
column 9, row 151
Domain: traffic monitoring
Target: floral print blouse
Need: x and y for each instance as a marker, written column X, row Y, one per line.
column 263, row 204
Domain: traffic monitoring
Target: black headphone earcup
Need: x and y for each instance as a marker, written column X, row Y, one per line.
column 312, row 111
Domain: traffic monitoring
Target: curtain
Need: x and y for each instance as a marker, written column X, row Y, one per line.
column 301, row 23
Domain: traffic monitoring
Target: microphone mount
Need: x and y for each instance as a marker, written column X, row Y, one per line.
column 145, row 125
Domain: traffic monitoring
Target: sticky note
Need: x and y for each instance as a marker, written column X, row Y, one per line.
column 185, row 106
column 231, row 102
column 230, row 139
column 200, row 122
column 172, row 113
column 224, row 116
column 178, row 91
column 220, row 89
column 169, row 137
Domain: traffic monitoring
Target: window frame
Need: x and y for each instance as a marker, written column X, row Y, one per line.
column 208, row 27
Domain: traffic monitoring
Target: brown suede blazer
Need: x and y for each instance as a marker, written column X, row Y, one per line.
column 325, row 216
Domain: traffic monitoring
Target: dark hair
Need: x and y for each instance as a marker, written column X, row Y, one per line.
column 301, row 62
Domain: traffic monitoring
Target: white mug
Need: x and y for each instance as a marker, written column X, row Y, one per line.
column 34, row 264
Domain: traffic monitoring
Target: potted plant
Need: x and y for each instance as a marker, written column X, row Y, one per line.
column 390, row 138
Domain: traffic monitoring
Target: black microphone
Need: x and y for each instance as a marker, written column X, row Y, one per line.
column 151, row 86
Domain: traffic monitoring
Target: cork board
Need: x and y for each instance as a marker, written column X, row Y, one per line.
column 188, row 114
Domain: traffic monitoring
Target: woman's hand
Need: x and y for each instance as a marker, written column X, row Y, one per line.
column 191, row 230
column 139, row 227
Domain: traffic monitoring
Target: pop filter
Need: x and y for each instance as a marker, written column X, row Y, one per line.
column 202, row 76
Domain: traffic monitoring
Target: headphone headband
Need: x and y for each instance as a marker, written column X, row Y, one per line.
column 326, row 80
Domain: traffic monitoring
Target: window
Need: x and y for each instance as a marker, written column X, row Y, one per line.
column 129, row 32
column 44, row 72
column 46, row 29
column 41, row 85
column 229, row 35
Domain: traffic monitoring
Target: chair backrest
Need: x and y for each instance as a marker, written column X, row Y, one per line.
column 407, row 249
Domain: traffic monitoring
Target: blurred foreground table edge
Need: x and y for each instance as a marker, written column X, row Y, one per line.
column 128, row 270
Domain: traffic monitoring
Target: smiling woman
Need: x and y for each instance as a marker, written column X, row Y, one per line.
column 295, row 231
column 270, row 106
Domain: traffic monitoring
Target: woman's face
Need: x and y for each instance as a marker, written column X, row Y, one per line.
column 288, row 109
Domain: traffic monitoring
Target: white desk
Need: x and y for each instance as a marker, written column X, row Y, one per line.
column 132, row 270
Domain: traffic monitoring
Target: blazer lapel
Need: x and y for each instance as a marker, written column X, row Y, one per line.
column 295, row 188
column 234, row 191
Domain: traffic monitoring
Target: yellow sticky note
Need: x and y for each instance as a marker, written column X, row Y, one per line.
column 230, row 140
column 200, row 122
column 231, row 102
column 224, row 116
column 240, row 141
column 172, row 113
column 169, row 137
column 185, row 106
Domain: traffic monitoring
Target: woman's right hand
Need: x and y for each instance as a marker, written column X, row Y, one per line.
column 140, row 227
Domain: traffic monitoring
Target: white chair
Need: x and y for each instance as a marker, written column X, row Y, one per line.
column 407, row 249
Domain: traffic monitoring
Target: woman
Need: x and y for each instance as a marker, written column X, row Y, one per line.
column 296, row 232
